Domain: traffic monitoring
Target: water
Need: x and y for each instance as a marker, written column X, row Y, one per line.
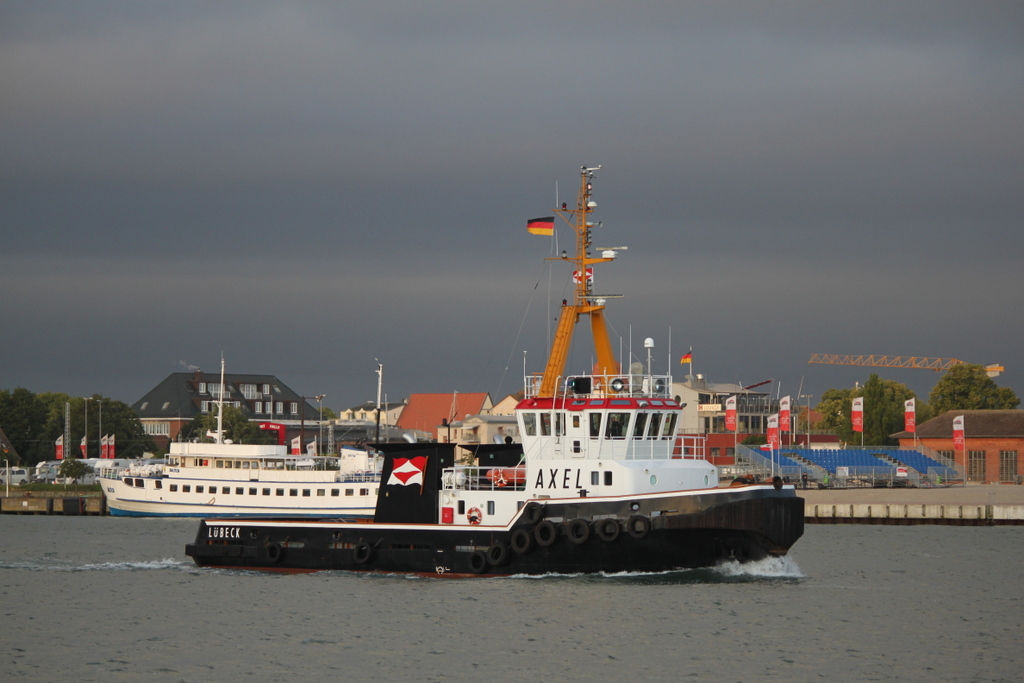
column 115, row 599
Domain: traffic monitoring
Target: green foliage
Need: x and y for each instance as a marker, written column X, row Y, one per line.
column 967, row 387
column 73, row 468
column 883, row 411
column 328, row 414
column 755, row 440
column 237, row 428
column 37, row 420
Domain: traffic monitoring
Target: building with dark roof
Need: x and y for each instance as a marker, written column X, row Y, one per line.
column 993, row 443
column 167, row 408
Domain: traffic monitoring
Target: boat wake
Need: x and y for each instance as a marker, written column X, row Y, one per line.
column 144, row 565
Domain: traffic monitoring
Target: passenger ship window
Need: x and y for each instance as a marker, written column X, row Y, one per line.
column 545, row 424
column 186, row 488
column 595, row 425
column 607, row 478
column 576, row 421
column 595, row 478
column 530, row 423
column 220, row 464
column 199, row 489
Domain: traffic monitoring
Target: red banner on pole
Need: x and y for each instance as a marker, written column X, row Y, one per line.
column 296, row 446
column 959, row 442
column 111, row 447
column 909, row 416
column 773, row 431
column 857, row 416
column 730, row 413
column 83, row 447
column 784, row 414
column 60, row 447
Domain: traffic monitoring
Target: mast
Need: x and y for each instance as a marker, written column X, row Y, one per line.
column 584, row 301
column 220, row 404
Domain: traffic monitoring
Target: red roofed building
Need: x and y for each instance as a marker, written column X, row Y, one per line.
column 428, row 412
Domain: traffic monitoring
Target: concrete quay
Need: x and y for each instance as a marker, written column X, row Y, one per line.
column 971, row 505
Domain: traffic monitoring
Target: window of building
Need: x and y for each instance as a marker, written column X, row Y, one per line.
column 144, row 404
column 280, row 407
column 1008, row 466
column 248, row 391
column 266, row 388
column 204, row 406
column 202, row 387
column 295, row 408
column 976, row 465
column 157, row 428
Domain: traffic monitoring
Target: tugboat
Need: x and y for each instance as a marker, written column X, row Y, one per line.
column 603, row 483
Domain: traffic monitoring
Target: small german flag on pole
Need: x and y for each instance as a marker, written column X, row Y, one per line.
column 541, row 226
column 687, row 357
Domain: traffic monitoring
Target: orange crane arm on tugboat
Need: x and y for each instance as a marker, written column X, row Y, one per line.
column 584, row 302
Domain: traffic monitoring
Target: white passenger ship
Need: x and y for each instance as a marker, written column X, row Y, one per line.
column 211, row 479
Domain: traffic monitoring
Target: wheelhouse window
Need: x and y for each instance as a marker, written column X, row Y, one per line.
column 545, row 424
column 670, row 426
column 639, row 425
column 595, row 425
column 617, row 426
column 530, row 424
column 655, row 426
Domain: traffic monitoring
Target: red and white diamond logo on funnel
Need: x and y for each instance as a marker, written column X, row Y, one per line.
column 408, row 471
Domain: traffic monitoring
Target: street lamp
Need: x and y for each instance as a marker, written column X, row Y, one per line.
column 808, row 397
column 319, row 443
column 85, row 436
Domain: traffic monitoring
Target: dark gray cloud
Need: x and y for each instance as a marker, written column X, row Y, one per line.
column 308, row 187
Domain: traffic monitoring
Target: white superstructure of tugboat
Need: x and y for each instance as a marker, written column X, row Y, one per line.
column 603, row 483
column 227, row 480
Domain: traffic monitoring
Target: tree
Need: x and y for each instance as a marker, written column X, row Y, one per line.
column 883, row 411
column 328, row 414
column 73, row 469
column 237, row 427
column 967, row 387
column 21, row 416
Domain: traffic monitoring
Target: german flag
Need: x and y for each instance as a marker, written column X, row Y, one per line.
column 541, row 226
column 687, row 357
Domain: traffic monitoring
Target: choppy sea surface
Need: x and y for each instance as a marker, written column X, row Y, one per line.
column 112, row 599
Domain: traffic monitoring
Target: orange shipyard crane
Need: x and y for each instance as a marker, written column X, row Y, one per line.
column 936, row 364
column 584, row 302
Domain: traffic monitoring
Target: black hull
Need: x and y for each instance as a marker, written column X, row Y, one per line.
column 580, row 536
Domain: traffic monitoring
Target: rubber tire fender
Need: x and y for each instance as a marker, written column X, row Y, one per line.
column 533, row 513
column 478, row 561
column 273, row 552
column 607, row 529
column 638, row 526
column 545, row 533
column 521, row 541
column 497, row 554
column 577, row 531
column 363, row 552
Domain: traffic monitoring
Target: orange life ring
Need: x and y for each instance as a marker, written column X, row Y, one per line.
column 474, row 515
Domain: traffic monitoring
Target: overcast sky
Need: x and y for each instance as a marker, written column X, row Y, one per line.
column 308, row 187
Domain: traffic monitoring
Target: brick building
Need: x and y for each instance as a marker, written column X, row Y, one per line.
column 993, row 443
